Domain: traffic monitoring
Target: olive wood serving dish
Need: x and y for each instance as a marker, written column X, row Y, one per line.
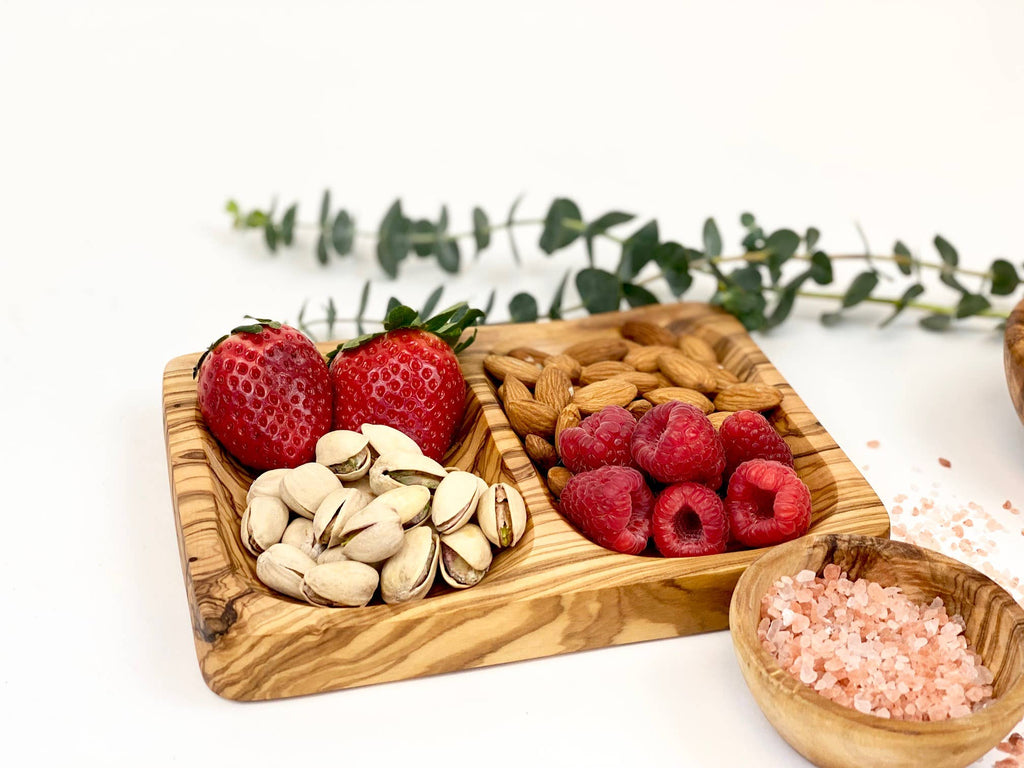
column 835, row 736
column 556, row 592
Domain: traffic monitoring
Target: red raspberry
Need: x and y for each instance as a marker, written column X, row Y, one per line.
column 601, row 439
column 767, row 503
column 611, row 506
column 689, row 520
column 748, row 435
column 675, row 443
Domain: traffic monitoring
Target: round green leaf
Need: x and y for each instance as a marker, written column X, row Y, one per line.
column 1004, row 277
column 557, row 234
column 599, row 290
column 343, row 233
column 481, row 229
column 523, row 308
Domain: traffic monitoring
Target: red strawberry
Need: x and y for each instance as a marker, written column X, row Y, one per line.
column 407, row 377
column 265, row 394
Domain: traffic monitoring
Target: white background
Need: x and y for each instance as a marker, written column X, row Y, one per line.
column 124, row 127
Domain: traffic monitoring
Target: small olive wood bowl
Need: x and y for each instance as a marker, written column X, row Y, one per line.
column 834, row 736
column 1013, row 357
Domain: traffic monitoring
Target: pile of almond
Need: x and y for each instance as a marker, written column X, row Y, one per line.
column 645, row 365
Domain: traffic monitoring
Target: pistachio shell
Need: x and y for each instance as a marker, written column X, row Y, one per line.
column 465, row 556
column 331, row 555
column 266, row 484
column 263, row 523
column 410, row 502
column 330, row 516
column 343, row 583
column 394, row 470
column 384, row 439
column 409, row 573
column 371, row 534
column 299, row 534
column 502, row 515
column 282, row 568
column 455, row 501
column 345, row 453
column 305, row 486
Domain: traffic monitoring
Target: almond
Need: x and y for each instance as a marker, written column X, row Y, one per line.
column 639, row 407
column 513, row 389
column 718, row 417
column 593, row 397
column 603, row 370
column 644, row 382
column 568, row 417
column 528, row 354
column 568, row 364
column 500, row 366
column 695, row 348
column 645, row 358
column 596, row 350
column 748, row 397
column 691, row 396
column 529, row 417
column 554, row 387
column 540, row 451
column 557, row 478
column 724, row 377
column 685, row 372
column 647, row 333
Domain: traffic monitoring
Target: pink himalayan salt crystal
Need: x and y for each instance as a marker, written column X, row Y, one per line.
column 871, row 648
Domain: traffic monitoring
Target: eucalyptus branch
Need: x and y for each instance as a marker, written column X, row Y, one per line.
column 753, row 289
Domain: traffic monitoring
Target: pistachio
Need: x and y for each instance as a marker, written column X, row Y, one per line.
column 345, row 453
column 385, row 439
column 331, row 555
column 304, row 487
column 393, row 470
column 336, row 507
column 342, row 583
column 409, row 573
column 465, row 556
column 299, row 534
column 266, row 484
column 282, row 568
column 502, row 515
column 455, row 501
column 263, row 523
column 371, row 534
column 410, row 502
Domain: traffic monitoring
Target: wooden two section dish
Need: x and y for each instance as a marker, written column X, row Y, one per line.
column 556, row 592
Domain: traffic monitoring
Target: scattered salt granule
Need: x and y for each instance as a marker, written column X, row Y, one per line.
column 873, row 443
column 1014, row 745
column 871, row 648
column 945, row 462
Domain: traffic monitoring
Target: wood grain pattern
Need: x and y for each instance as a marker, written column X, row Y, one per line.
column 834, row 736
column 556, row 592
column 1013, row 357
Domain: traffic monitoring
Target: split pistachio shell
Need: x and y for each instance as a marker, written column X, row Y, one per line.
column 266, row 484
column 299, row 534
column 410, row 502
column 455, row 501
column 263, row 523
column 409, row 573
column 384, row 439
column 305, row 486
column 394, row 470
column 465, row 556
column 371, row 534
column 331, row 555
column 336, row 507
column 502, row 515
column 339, row 584
column 282, row 568
column 345, row 453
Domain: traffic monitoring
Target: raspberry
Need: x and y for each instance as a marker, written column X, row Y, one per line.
column 689, row 520
column 767, row 503
column 611, row 506
column 749, row 435
column 675, row 442
column 601, row 439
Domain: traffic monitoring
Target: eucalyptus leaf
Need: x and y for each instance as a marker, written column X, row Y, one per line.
column 325, row 208
column 748, row 278
column 270, row 236
column 599, row 290
column 364, row 299
column 343, row 233
column 1004, row 277
column 638, row 249
column 971, row 304
column 860, row 289
column 821, row 268
column 908, row 296
column 746, row 306
column 638, row 296
column 431, row 302
column 523, row 308
column 712, row 239
column 424, row 232
column 787, row 297
column 332, row 317
column 557, row 234
column 555, row 311
column 481, row 230
column 747, row 220
column 811, row 238
column 321, row 249
column 936, row 322
column 393, row 239
column 946, row 251
column 830, row 319
column 490, row 304
column 904, row 259
column 288, row 224
column 674, row 261
column 510, row 224
column 600, row 225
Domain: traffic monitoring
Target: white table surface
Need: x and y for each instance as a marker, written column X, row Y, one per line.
column 124, row 127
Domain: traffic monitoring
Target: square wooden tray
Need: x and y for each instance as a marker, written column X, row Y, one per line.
column 556, row 592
